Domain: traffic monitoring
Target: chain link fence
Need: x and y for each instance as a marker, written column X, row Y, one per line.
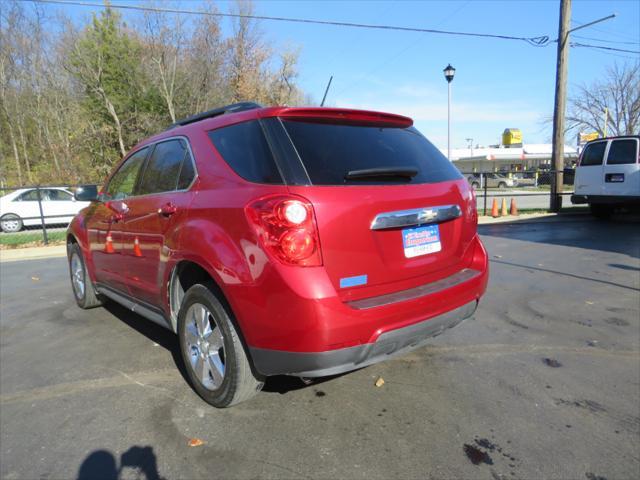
column 530, row 190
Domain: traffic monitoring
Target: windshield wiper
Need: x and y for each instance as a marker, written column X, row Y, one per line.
column 403, row 172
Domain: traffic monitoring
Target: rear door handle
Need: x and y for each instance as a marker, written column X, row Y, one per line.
column 167, row 209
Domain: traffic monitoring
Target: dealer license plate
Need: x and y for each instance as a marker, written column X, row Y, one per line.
column 421, row 241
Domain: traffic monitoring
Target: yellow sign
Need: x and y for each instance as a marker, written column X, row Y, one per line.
column 587, row 137
column 512, row 136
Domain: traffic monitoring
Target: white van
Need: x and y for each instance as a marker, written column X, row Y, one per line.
column 608, row 175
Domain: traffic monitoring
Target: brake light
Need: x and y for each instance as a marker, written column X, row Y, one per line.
column 286, row 226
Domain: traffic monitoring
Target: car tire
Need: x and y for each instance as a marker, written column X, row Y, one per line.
column 502, row 185
column 11, row 223
column 83, row 290
column 601, row 212
column 212, row 351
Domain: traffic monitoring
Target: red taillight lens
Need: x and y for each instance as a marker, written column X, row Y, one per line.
column 286, row 226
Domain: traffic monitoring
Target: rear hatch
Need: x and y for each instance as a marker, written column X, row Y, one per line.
column 392, row 211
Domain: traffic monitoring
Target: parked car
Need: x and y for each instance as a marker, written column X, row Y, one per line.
column 545, row 176
column 525, row 179
column 494, row 180
column 283, row 241
column 608, row 175
column 20, row 208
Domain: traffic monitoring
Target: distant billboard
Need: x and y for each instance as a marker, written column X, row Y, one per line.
column 587, row 137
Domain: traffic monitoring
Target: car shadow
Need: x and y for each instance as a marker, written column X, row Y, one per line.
column 280, row 384
column 156, row 333
column 102, row 465
column 619, row 235
column 284, row 384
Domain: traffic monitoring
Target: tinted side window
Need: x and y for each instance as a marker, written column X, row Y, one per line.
column 593, row 154
column 59, row 195
column 163, row 168
column 623, row 152
column 30, row 196
column 330, row 151
column 247, row 152
column 124, row 180
column 187, row 172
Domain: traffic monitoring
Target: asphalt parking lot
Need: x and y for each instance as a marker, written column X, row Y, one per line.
column 544, row 383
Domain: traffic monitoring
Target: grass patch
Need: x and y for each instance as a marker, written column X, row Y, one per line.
column 30, row 239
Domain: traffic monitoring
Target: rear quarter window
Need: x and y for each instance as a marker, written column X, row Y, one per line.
column 330, row 151
column 245, row 149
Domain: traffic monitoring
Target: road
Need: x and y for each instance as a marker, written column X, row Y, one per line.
column 544, row 383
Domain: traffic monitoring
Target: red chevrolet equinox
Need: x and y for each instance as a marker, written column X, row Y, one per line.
column 283, row 241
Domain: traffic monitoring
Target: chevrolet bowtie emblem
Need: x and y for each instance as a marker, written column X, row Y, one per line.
column 427, row 215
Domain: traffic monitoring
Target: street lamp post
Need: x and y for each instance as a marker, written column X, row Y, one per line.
column 449, row 72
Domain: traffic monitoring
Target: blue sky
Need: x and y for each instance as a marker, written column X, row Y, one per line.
column 498, row 83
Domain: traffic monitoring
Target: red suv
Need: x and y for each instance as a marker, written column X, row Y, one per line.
column 295, row 241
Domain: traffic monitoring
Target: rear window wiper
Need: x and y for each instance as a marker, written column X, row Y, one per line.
column 403, row 172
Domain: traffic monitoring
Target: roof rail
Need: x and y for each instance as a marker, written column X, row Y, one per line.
column 233, row 108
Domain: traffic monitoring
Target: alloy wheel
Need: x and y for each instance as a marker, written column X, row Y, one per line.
column 204, row 345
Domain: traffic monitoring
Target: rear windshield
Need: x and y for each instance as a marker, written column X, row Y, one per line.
column 329, row 152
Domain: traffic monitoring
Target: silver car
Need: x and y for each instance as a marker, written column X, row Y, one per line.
column 494, row 180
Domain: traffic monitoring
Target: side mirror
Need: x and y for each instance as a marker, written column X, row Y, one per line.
column 86, row 193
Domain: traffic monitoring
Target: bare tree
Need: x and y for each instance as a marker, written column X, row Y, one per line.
column 618, row 93
column 73, row 99
column 282, row 89
column 164, row 38
column 248, row 53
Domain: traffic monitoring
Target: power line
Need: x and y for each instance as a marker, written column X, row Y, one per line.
column 538, row 41
column 603, row 40
column 608, row 32
column 602, row 47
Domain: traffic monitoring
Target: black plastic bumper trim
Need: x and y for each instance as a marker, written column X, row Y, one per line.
column 389, row 344
column 457, row 278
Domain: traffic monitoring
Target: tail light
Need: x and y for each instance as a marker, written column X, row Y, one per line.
column 286, row 226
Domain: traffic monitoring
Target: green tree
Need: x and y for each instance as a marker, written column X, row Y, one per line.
column 105, row 60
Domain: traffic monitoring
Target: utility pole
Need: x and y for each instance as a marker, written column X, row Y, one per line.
column 557, row 151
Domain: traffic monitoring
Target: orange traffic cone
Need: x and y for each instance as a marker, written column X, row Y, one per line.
column 136, row 248
column 108, row 246
column 514, row 208
column 494, row 209
column 503, row 213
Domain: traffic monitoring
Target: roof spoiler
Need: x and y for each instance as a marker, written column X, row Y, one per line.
column 330, row 115
column 233, row 108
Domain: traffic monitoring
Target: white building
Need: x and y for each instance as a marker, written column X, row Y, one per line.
column 495, row 159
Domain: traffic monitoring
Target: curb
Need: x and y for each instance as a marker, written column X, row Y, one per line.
column 18, row 254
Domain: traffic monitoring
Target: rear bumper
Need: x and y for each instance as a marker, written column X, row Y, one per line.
column 388, row 345
column 605, row 199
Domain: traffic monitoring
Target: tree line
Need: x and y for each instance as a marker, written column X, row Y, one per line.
column 74, row 98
